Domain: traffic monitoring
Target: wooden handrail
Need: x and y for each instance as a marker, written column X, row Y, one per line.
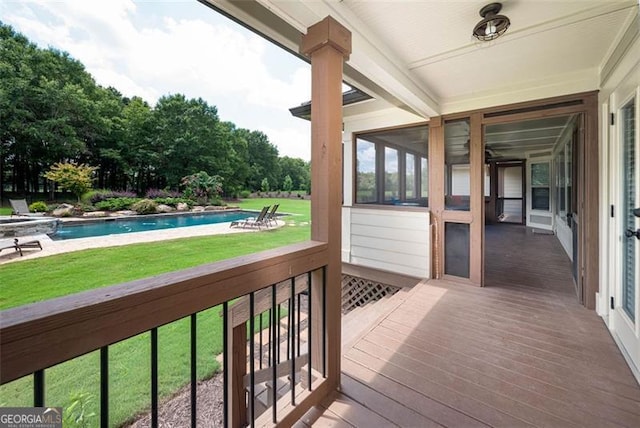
column 37, row 336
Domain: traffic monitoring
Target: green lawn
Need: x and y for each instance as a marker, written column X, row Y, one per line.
column 48, row 277
column 5, row 211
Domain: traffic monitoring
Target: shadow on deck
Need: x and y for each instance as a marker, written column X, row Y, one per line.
column 519, row 352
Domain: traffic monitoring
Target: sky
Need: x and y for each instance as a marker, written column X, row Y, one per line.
column 155, row 48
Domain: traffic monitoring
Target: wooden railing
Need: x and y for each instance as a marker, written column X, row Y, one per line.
column 37, row 336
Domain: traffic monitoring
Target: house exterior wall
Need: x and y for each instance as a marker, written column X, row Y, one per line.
column 387, row 238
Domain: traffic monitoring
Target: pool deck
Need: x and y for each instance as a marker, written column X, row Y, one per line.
column 51, row 247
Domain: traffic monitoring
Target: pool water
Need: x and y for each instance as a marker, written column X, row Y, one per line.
column 144, row 223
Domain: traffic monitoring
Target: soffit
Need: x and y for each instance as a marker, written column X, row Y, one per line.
column 422, row 51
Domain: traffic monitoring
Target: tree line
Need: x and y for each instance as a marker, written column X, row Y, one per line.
column 52, row 110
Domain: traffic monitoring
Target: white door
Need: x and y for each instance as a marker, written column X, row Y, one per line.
column 626, row 232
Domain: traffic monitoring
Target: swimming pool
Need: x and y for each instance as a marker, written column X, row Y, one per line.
column 114, row 226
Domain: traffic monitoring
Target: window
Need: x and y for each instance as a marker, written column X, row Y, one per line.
column 564, row 169
column 540, row 191
column 366, row 172
column 391, row 179
column 392, row 167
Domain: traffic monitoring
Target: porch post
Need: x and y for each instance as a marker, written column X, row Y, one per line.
column 328, row 44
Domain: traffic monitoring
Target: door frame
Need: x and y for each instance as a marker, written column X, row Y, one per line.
column 585, row 103
column 625, row 331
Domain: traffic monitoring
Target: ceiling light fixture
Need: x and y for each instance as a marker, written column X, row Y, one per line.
column 492, row 25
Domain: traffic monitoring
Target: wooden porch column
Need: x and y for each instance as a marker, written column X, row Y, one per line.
column 328, row 44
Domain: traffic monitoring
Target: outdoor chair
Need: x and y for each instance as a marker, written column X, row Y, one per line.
column 19, row 246
column 20, row 207
column 253, row 221
column 272, row 217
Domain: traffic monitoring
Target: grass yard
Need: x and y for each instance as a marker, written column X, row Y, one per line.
column 78, row 380
column 5, row 211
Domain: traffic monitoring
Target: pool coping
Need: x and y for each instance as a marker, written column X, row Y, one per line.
column 51, row 247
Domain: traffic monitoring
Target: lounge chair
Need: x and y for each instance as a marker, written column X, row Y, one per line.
column 272, row 217
column 20, row 207
column 258, row 221
column 19, row 246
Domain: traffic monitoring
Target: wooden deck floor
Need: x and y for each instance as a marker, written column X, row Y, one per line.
column 519, row 352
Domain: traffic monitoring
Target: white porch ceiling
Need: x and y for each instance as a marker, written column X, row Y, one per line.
column 420, row 54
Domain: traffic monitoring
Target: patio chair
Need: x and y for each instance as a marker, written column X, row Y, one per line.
column 253, row 221
column 19, row 246
column 272, row 217
column 20, row 207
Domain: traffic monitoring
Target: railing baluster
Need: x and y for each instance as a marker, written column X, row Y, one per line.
column 269, row 347
column 104, row 387
column 324, row 321
column 293, row 342
column 309, row 338
column 194, row 368
column 277, row 349
column 225, row 366
column 260, row 341
column 298, row 324
column 289, row 324
column 38, row 388
column 252, row 368
column 154, row 378
column 274, row 344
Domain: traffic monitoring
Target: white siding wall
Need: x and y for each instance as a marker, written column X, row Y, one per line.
column 512, row 182
column 395, row 241
column 460, row 180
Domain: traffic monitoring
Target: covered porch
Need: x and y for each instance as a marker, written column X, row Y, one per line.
column 519, row 352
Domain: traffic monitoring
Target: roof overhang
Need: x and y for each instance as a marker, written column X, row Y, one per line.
column 421, row 57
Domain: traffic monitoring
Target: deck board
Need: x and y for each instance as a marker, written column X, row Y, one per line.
column 519, row 352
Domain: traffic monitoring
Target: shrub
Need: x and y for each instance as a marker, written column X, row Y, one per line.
column 173, row 202
column 145, row 206
column 245, row 194
column 96, row 196
column 38, row 207
column 202, row 187
column 116, row 204
column 162, row 194
column 74, row 178
column 87, row 208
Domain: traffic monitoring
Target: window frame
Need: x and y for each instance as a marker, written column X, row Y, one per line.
column 419, row 188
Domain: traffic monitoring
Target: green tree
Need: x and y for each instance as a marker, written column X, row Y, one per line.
column 264, row 185
column 287, row 184
column 263, row 161
column 75, row 178
column 298, row 170
column 188, row 139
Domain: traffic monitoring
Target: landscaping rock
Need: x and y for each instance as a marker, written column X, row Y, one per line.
column 162, row 208
column 181, row 206
column 213, row 208
column 124, row 213
column 197, row 209
column 95, row 214
column 64, row 210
